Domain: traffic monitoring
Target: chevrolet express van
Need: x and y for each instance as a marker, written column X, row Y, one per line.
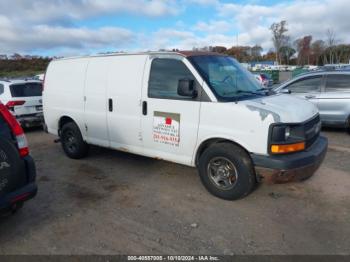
column 198, row 109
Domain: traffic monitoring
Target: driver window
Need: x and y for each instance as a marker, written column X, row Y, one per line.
column 306, row 85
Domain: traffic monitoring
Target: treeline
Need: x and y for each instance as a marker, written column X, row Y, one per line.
column 301, row 51
column 23, row 64
column 305, row 52
column 244, row 54
column 241, row 53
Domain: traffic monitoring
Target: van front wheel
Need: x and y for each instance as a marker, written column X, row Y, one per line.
column 226, row 171
column 72, row 141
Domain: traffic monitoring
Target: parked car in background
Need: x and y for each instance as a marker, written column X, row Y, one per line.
column 310, row 67
column 17, row 168
column 328, row 90
column 264, row 79
column 39, row 77
column 194, row 108
column 24, row 100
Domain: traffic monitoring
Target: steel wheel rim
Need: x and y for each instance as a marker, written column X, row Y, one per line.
column 70, row 142
column 222, row 173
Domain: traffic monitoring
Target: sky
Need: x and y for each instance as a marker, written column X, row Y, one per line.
column 79, row 27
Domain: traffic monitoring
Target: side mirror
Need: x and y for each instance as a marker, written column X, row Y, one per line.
column 185, row 87
column 286, row 91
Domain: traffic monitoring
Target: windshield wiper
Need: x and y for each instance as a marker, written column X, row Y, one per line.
column 252, row 92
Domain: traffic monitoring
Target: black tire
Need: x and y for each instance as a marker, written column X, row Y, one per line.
column 72, row 141
column 348, row 125
column 226, row 171
column 12, row 168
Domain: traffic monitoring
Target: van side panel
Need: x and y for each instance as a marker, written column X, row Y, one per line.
column 64, row 93
column 124, row 89
column 96, row 101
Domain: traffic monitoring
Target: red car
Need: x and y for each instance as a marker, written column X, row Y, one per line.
column 264, row 80
column 17, row 168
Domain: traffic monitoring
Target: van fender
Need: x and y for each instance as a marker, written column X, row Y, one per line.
column 206, row 142
column 66, row 119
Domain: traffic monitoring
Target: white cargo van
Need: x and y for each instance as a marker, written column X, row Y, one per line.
column 198, row 109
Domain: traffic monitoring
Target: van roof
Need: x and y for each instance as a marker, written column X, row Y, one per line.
column 182, row 53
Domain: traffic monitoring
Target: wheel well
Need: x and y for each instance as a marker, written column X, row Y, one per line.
column 63, row 120
column 209, row 142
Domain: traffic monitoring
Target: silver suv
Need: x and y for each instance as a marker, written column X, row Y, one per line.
column 328, row 90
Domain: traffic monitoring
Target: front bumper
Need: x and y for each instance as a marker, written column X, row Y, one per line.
column 291, row 167
column 24, row 193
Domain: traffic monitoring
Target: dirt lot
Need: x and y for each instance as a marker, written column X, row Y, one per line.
column 118, row 203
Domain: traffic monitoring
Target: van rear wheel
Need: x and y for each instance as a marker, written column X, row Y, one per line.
column 72, row 141
column 226, row 171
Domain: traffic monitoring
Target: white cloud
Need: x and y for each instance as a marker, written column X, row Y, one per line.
column 184, row 40
column 43, row 10
column 43, row 37
column 204, row 2
column 310, row 17
column 214, row 26
column 29, row 26
column 252, row 22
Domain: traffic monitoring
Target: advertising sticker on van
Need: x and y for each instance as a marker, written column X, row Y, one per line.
column 166, row 128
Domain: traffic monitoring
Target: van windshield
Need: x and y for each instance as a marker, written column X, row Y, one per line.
column 227, row 78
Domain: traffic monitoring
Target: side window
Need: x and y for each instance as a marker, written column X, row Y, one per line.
column 164, row 77
column 1, row 89
column 306, row 85
column 338, row 83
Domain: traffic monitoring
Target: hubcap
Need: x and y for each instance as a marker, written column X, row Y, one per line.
column 222, row 173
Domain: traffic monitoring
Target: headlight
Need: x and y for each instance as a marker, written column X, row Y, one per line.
column 287, row 133
column 286, row 139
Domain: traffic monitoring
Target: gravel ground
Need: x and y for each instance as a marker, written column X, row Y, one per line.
column 119, row 203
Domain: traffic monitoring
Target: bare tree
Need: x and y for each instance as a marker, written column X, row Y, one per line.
column 318, row 49
column 279, row 37
column 256, row 52
column 331, row 42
